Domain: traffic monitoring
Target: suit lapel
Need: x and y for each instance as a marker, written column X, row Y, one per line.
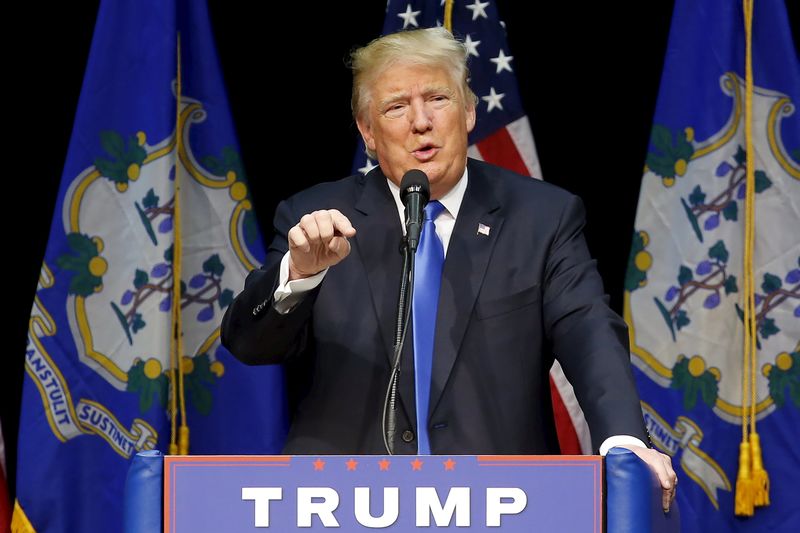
column 468, row 256
column 378, row 237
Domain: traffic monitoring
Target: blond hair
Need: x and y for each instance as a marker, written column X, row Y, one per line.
column 429, row 46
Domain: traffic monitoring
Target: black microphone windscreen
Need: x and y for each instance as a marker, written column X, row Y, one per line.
column 415, row 180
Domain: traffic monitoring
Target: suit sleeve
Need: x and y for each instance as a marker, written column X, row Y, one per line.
column 252, row 330
column 588, row 338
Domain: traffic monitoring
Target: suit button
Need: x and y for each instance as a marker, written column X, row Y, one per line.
column 408, row 436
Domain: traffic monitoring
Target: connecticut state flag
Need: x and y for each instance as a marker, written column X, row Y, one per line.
column 152, row 235
column 712, row 290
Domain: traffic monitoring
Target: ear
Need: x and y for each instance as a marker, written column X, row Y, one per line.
column 470, row 117
column 365, row 129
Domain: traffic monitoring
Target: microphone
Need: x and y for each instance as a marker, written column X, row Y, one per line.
column 415, row 191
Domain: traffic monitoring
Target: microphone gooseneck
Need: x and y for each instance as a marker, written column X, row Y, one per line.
column 415, row 192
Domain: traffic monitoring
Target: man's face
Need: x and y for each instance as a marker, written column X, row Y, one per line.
column 416, row 118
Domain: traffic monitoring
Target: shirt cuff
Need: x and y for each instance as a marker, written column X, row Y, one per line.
column 290, row 293
column 617, row 440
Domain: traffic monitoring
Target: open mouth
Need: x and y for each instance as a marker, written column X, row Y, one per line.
column 425, row 152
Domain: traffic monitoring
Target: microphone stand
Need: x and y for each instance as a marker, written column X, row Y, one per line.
column 414, row 193
column 389, row 418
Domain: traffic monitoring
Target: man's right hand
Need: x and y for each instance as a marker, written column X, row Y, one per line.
column 317, row 242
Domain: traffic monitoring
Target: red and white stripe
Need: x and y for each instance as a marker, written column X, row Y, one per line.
column 512, row 147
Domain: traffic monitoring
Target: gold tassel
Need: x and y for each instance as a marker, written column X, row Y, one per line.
column 744, row 505
column 19, row 521
column 760, row 476
column 183, row 440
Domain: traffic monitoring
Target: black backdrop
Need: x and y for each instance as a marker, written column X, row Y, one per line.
column 588, row 73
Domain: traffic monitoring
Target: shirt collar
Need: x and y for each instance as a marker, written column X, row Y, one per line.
column 451, row 200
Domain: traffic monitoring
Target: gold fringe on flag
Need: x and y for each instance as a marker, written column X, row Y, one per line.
column 179, row 440
column 760, row 476
column 744, row 501
column 752, row 481
column 19, row 520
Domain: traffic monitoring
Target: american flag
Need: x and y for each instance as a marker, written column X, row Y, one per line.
column 502, row 136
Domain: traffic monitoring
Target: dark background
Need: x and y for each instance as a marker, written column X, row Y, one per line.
column 588, row 74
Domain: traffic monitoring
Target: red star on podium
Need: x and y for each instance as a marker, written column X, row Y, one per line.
column 351, row 464
column 449, row 465
column 384, row 465
column 416, row 465
column 319, row 464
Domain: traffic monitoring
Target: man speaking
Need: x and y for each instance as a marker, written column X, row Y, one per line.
column 504, row 283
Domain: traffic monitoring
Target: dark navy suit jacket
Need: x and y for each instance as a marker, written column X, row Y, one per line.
column 509, row 301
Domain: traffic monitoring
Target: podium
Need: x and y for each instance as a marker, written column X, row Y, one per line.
column 178, row 494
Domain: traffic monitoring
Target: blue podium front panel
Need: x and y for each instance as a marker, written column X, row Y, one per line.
column 399, row 493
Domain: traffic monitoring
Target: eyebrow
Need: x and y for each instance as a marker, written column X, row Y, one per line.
column 394, row 97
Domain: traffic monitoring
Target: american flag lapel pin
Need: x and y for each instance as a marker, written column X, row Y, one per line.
column 483, row 229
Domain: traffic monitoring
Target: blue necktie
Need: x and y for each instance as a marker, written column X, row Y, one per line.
column 427, row 279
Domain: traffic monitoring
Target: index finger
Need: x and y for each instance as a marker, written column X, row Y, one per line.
column 341, row 223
